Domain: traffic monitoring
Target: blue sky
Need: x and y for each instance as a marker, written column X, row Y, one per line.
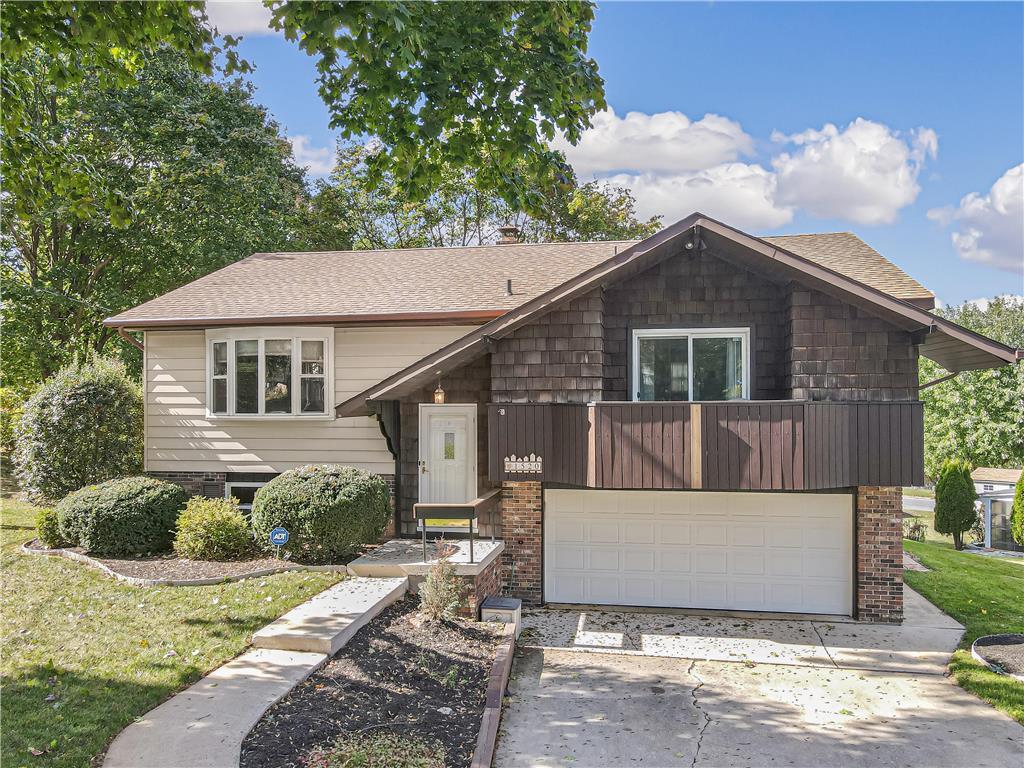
column 874, row 118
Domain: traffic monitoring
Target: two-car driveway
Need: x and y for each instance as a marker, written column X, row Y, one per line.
column 625, row 689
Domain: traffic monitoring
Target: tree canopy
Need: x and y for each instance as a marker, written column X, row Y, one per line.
column 979, row 415
column 479, row 86
column 356, row 209
column 201, row 172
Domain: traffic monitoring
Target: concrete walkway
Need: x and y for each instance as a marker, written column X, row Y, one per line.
column 922, row 644
column 203, row 726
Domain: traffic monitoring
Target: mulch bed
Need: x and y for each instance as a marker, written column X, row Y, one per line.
column 392, row 675
column 172, row 567
column 1007, row 651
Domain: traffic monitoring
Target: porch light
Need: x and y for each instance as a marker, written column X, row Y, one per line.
column 439, row 394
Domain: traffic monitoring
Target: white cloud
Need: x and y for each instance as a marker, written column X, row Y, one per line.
column 990, row 228
column 319, row 161
column 662, row 142
column 739, row 194
column 864, row 173
column 240, row 17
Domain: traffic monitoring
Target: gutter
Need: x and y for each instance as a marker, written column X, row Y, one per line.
column 395, row 318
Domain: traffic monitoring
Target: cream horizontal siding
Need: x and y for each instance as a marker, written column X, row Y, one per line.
column 181, row 438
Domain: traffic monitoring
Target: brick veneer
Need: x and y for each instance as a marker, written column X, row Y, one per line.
column 196, row 483
column 879, row 554
column 478, row 588
column 522, row 531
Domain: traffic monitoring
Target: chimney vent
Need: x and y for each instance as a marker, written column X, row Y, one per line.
column 509, row 234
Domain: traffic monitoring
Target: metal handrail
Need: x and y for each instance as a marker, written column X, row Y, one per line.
column 468, row 511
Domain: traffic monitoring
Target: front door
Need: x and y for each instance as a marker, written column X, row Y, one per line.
column 447, row 453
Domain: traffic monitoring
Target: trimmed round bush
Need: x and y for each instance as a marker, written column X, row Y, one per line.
column 129, row 516
column 48, row 528
column 328, row 510
column 212, row 529
column 82, row 426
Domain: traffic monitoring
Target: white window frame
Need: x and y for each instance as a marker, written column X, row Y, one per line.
column 296, row 335
column 691, row 334
column 230, row 486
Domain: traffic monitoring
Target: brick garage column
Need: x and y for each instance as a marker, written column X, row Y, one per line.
column 522, row 531
column 880, row 554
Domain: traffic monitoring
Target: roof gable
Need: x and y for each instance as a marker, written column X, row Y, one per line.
column 954, row 347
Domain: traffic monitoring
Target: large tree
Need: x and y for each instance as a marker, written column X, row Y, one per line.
column 356, row 209
column 979, row 415
column 479, row 86
column 196, row 175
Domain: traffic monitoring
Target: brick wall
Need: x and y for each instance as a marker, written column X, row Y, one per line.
column 557, row 359
column 879, row 554
column 478, row 588
column 209, row 484
column 522, row 531
column 836, row 351
column 697, row 290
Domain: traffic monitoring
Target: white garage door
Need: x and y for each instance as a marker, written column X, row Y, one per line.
column 789, row 552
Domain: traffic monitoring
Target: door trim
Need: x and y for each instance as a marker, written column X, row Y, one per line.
column 467, row 409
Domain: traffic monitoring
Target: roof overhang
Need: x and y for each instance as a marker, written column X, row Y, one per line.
column 952, row 346
column 391, row 318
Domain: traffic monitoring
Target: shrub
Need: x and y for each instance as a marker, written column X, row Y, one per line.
column 130, row 516
column 378, row 749
column 1017, row 513
column 82, row 426
column 48, row 528
column 914, row 529
column 441, row 591
column 954, row 500
column 212, row 529
column 329, row 511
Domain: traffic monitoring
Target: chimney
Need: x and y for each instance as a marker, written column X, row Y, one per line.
column 509, row 234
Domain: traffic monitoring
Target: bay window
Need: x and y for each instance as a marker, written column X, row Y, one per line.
column 268, row 372
column 691, row 364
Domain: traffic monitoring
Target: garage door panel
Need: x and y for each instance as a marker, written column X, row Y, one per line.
column 741, row 551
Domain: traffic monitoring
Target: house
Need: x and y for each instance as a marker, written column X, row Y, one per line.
column 996, row 488
column 702, row 419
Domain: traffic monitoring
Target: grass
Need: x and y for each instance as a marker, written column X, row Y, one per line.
column 927, row 493
column 984, row 594
column 928, row 518
column 84, row 655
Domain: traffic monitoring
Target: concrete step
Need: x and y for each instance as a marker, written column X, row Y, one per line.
column 204, row 725
column 326, row 622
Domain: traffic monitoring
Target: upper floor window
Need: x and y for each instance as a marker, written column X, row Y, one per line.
column 275, row 372
column 691, row 364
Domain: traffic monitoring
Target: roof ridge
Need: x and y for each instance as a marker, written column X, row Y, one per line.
column 442, row 247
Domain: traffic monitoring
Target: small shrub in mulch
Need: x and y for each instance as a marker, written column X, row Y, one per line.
column 48, row 528
column 213, row 529
column 424, row 681
column 378, row 750
column 441, row 591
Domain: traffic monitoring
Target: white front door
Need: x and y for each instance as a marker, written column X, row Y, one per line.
column 447, row 453
column 790, row 552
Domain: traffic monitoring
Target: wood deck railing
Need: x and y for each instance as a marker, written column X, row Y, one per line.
column 748, row 445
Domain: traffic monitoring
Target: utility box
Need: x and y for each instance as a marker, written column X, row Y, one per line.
column 508, row 610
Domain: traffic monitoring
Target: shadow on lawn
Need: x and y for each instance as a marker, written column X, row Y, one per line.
column 70, row 716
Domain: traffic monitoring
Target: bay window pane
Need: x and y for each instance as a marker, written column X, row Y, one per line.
column 247, row 362
column 277, row 389
column 663, row 369
column 312, row 394
column 220, row 358
column 313, row 357
column 718, row 369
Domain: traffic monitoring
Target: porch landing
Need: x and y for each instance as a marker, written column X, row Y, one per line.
column 404, row 557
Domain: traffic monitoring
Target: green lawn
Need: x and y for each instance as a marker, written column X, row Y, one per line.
column 928, row 518
column 83, row 655
column 984, row 594
column 927, row 493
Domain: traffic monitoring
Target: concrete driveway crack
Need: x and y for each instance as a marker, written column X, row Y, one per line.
column 696, row 705
column 823, row 646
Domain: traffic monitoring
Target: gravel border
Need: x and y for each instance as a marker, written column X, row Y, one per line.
column 994, row 667
column 137, row 581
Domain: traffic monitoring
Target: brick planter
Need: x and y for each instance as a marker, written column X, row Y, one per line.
column 880, row 554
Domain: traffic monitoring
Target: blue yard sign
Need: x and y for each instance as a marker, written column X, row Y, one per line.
column 279, row 537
